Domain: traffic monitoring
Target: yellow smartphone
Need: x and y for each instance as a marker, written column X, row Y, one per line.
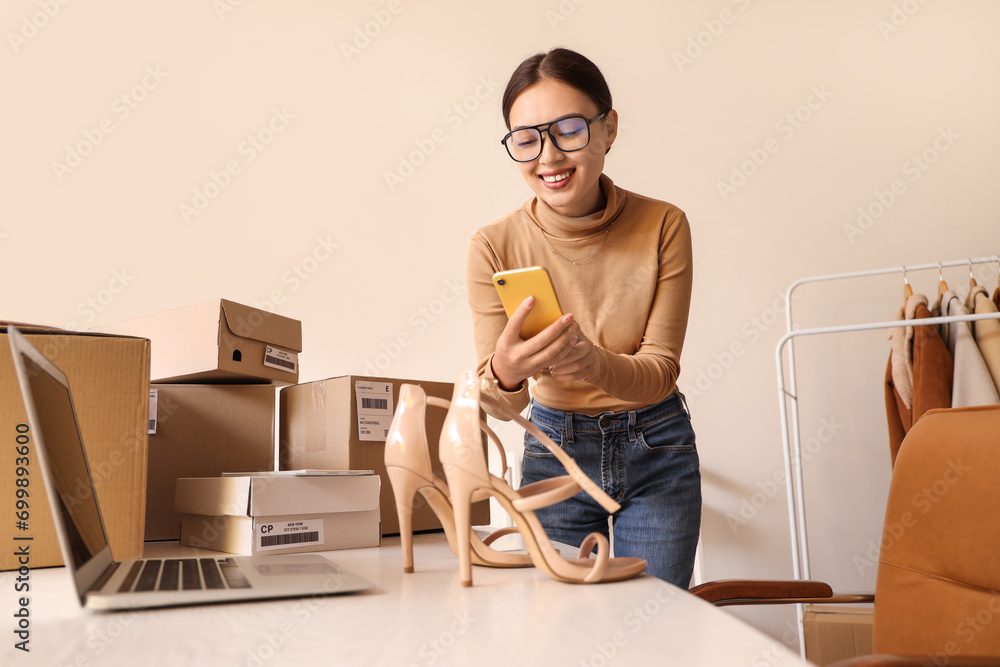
column 516, row 285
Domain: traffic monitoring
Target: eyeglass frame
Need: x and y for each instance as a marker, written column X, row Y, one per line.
column 548, row 131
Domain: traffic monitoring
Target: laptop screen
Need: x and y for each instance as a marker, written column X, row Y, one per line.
column 68, row 468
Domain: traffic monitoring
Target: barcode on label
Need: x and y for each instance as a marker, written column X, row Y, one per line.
column 280, row 362
column 293, row 538
column 154, row 395
column 374, row 403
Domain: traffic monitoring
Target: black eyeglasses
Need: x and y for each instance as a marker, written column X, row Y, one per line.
column 569, row 134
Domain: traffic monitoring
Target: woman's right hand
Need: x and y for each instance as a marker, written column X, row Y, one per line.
column 517, row 359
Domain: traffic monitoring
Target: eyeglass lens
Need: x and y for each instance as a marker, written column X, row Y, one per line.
column 569, row 134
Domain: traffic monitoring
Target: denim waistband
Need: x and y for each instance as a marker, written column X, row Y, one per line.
column 606, row 422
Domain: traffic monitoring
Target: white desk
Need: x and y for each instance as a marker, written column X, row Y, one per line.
column 509, row 617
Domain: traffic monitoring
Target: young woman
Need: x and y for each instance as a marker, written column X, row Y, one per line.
column 605, row 374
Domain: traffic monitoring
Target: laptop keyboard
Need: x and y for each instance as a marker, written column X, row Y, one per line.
column 174, row 574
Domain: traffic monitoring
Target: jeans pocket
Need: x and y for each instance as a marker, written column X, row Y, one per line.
column 672, row 433
column 535, row 449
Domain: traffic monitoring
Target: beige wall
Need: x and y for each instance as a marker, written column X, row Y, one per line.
column 241, row 150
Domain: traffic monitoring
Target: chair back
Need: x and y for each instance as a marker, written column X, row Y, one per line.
column 937, row 590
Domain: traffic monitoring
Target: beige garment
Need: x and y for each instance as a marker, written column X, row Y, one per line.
column 901, row 349
column 630, row 291
column 972, row 383
column 986, row 332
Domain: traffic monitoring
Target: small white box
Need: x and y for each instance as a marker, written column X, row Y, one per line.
column 280, row 513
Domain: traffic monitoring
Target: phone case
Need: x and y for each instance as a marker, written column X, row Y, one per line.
column 517, row 285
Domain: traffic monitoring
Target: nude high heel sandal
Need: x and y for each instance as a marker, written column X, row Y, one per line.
column 408, row 463
column 469, row 477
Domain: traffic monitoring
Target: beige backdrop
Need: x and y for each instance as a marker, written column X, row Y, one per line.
column 329, row 160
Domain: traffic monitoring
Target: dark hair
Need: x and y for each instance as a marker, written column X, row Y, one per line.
column 563, row 65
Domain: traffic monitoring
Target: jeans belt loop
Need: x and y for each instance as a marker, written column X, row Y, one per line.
column 684, row 404
column 631, row 426
column 568, row 428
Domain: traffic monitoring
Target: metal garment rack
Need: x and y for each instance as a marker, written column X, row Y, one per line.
column 791, row 428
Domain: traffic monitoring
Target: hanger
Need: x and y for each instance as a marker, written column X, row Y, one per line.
column 970, row 298
column 907, row 290
column 996, row 292
column 942, row 285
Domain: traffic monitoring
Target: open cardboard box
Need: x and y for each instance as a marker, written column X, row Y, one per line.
column 218, row 341
column 109, row 381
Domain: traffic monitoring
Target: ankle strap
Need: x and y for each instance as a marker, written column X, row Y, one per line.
column 491, row 436
column 593, row 490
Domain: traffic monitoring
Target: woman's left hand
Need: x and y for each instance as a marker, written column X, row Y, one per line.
column 580, row 364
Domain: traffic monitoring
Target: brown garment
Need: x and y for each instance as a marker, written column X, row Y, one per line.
column 928, row 370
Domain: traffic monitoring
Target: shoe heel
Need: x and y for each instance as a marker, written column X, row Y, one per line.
column 461, row 485
column 405, row 486
column 464, row 463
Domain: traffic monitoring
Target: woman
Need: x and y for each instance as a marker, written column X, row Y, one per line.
column 605, row 374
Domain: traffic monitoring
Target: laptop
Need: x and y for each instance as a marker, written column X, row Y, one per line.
column 106, row 584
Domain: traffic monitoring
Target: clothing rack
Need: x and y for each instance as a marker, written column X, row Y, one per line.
column 791, row 434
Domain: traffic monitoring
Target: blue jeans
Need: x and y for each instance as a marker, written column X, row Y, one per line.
column 647, row 461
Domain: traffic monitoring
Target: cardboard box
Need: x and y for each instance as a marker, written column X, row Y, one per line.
column 218, row 341
column 264, row 514
column 341, row 423
column 203, row 430
column 836, row 633
column 109, row 381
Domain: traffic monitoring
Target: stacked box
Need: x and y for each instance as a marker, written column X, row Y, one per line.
column 273, row 514
column 214, row 366
column 835, row 633
column 218, row 341
column 341, row 423
column 203, row 430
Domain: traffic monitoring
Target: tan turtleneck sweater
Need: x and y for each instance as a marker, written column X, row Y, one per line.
column 631, row 298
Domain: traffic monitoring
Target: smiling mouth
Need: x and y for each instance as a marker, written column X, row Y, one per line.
column 556, row 180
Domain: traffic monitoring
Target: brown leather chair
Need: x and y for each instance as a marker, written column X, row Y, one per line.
column 937, row 589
